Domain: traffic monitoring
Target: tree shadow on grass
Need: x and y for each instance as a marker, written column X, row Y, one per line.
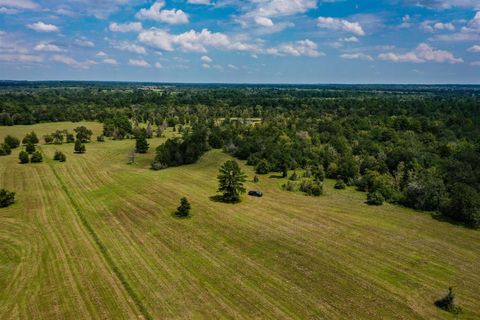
column 276, row 176
column 443, row 218
column 222, row 199
column 174, row 215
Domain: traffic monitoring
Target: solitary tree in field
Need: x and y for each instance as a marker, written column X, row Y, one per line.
column 184, row 209
column 79, row 147
column 230, row 181
column 447, row 303
column 6, row 198
column 23, row 157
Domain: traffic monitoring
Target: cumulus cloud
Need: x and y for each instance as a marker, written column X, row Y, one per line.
column 155, row 13
column 84, row 42
column 357, row 56
column 48, row 47
column 299, row 48
column 101, row 54
column 433, row 26
column 43, row 27
column 126, row 27
column 158, row 65
column 475, row 49
column 206, row 59
column 139, row 63
column 470, row 32
column 423, row 53
column 69, row 61
column 110, row 61
column 341, row 25
column 128, row 46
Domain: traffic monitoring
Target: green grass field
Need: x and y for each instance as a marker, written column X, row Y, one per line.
column 94, row 238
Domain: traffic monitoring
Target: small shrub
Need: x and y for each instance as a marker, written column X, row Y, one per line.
column 340, row 184
column 6, row 198
column 59, row 156
column 5, row 149
column 290, row 186
column 30, row 148
column 11, row 141
column 23, row 157
column 30, row 138
column 262, row 167
column 184, row 209
column 311, row 188
column 36, row 157
column 447, row 303
column 70, row 138
column 79, row 147
column 158, row 166
column 48, row 139
column 101, row 138
column 294, row 176
column 375, row 198
column 256, row 179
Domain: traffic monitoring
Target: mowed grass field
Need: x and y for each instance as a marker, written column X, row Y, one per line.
column 95, row 238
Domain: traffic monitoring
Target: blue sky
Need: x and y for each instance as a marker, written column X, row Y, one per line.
column 256, row 41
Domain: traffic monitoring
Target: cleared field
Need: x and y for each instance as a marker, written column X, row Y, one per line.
column 95, row 238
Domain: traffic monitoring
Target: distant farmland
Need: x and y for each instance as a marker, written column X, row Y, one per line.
column 94, row 238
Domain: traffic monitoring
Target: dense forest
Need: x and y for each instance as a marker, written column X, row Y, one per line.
column 415, row 146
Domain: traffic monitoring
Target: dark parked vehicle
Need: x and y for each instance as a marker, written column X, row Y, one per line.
column 255, row 193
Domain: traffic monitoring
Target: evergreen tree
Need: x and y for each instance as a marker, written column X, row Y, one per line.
column 230, row 181
column 184, row 209
column 23, row 157
column 141, row 144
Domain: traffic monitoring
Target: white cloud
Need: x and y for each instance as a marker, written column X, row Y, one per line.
column 475, row 49
column 340, row 24
column 202, row 2
column 84, row 42
column 48, row 47
column 19, row 4
column 349, row 39
column 264, row 22
column 126, row 27
column 433, row 26
column 43, row 27
column 110, row 61
column 130, row 47
column 233, row 67
column 475, row 64
column 9, row 57
column 423, row 53
column 158, row 65
column 72, row 62
column 206, row 66
column 299, row 48
column 101, row 54
column 139, row 63
column 357, row 56
column 444, row 4
column 470, row 32
column 155, row 13
column 206, row 59
column 281, row 8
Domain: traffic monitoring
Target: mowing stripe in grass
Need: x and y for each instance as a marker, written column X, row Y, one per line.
column 103, row 249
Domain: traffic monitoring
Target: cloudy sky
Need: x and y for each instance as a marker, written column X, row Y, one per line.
column 274, row 41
